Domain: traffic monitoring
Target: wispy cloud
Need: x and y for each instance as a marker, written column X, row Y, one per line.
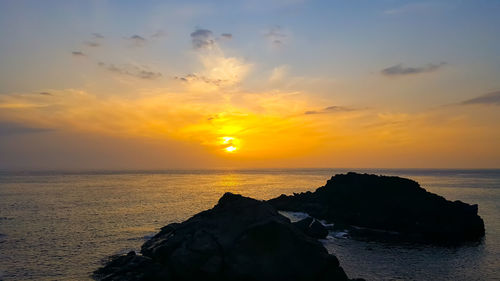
column 330, row 109
column 159, row 34
column 137, row 40
column 131, row 70
column 279, row 73
column 190, row 78
column 8, row 128
column 227, row 35
column 45, row 94
column 486, row 99
column 92, row 44
column 400, row 70
column 95, row 41
column 202, row 39
column 78, row 54
column 276, row 35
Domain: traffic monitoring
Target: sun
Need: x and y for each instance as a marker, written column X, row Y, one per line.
column 230, row 148
column 226, row 140
column 229, row 144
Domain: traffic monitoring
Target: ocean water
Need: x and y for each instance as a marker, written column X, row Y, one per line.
column 62, row 225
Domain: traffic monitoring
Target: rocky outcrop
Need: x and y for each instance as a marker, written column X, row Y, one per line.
column 312, row 227
column 239, row 239
column 381, row 207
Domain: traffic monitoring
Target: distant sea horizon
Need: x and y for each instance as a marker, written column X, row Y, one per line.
column 231, row 169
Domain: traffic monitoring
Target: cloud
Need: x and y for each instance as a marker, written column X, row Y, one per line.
column 8, row 128
column 330, row 109
column 137, row 37
column 279, row 73
column 78, row 54
column 159, row 34
column 131, row 70
column 276, row 35
column 486, row 99
column 190, row 78
column 162, row 114
column 217, row 71
column 227, row 35
column 137, row 40
column 95, row 41
column 92, row 44
column 202, row 39
column 399, row 69
column 215, row 68
column 230, row 70
column 45, row 94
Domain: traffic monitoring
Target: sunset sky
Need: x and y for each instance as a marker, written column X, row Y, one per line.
column 249, row 84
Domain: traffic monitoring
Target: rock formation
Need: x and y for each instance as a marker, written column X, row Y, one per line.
column 312, row 227
column 239, row 239
column 382, row 207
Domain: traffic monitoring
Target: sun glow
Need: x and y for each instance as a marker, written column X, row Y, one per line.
column 230, row 148
column 229, row 144
column 226, row 140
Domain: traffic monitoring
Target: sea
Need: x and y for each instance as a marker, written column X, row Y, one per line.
column 62, row 225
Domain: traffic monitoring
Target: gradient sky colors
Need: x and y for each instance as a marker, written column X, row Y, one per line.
column 249, row 84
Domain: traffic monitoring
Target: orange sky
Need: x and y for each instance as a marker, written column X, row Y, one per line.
column 189, row 97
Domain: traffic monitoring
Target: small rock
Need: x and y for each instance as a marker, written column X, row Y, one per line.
column 312, row 227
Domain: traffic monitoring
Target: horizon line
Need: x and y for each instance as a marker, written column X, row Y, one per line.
column 228, row 169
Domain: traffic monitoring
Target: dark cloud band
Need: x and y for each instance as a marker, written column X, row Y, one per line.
column 131, row 70
column 202, row 39
column 8, row 128
column 330, row 109
column 78, row 54
column 400, row 70
column 486, row 99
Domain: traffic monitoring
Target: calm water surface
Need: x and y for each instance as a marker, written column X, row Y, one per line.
column 60, row 226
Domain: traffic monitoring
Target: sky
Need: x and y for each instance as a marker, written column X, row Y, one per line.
column 249, row 84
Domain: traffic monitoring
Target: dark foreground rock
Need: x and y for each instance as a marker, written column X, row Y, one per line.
column 391, row 208
column 312, row 227
column 239, row 239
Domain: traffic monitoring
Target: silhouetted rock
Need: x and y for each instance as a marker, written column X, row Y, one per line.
column 312, row 227
column 239, row 239
column 132, row 267
column 387, row 208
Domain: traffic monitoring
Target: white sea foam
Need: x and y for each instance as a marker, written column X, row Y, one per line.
column 294, row 216
column 326, row 224
column 340, row 234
